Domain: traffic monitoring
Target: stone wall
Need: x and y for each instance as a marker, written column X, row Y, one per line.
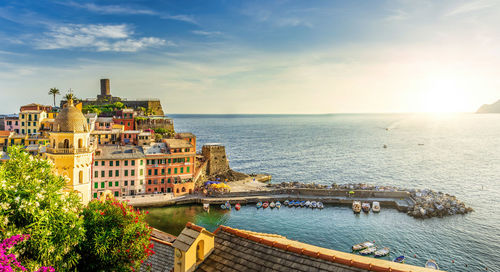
column 217, row 161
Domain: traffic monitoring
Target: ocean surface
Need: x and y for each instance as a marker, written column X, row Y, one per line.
column 458, row 154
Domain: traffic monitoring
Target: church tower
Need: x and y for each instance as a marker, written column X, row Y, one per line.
column 71, row 151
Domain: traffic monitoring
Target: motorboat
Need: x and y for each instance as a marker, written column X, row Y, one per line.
column 432, row 265
column 286, row 202
column 356, row 207
column 382, row 252
column 206, row 207
column 237, row 206
column 375, row 206
column 223, row 206
column 291, row 203
column 228, row 205
column 259, row 204
column 265, row 204
column 320, row 205
column 308, row 204
column 297, row 203
column 272, row 205
column 278, row 204
column 302, row 203
column 314, row 205
column 362, row 246
column 366, row 207
column 400, row 259
column 368, row 251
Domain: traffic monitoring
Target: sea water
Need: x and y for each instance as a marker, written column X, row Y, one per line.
column 457, row 154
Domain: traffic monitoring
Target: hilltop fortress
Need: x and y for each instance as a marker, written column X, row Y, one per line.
column 106, row 98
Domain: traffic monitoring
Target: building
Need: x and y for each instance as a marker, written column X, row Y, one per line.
column 104, row 123
column 125, row 117
column 71, row 150
column 36, row 107
column 119, row 169
column 5, row 136
column 10, row 123
column 31, row 120
column 154, row 122
column 106, row 137
column 230, row 249
column 91, row 120
column 130, row 137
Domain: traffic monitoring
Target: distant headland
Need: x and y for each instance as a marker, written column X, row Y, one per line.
column 490, row 108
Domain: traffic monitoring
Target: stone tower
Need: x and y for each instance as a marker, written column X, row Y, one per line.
column 105, row 89
column 215, row 154
column 71, row 151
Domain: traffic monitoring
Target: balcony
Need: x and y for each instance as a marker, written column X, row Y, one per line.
column 70, row 150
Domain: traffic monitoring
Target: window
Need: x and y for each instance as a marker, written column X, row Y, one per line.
column 125, row 163
column 169, row 160
column 29, row 131
column 182, row 170
column 116, row 193
column 110, row 184
column 156, row 172
column 163, row 171
column 175, row 170
column 110, row 172
column 187, row 169
column 117, row 163
column 142, row 172
column 132, row 162
column 149, row 172
column 102, row 174
column 169, row 180
column 148, row 162
column 155, row 181
column 117, row 183
column 117, row 173
column 110, row 163
column 126, row 173
column 102, row 163
column 187, row 159
column 96, row 185
column 95, row 195
column 142, row 161
column 142, row 181
column 169, row 190
column 22, row 130
column 125, row 183
column 29, row 124
column 169, row 171
column 132, row 183
column 102, row 184
column 162, row 181
column 96, row 174
column 80, row 177
column 175, row 160
column 149, row 181
column 149, row 189
column 132, row 172
column 96, row 163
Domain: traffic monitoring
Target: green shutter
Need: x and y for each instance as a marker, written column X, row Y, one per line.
column 95, row 195
column 175, row 170
column 132, row 172
column 126, row 173
column 187, row 169
column 102, row 184
column 117, row 173
column 117, row 183
column 182, row 170
column 116, row 193
column 96, row 185
column 110, row 184
column 169, row 171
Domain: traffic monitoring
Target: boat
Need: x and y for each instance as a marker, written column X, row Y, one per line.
column 356, row 207
column 431, row 264
column 376, row 206
column 237, row 206
column 228, row 205
column 368, row 251
column 365, row 206
column 278, row 204
column 314, row 205
column 286, row 202
column 297, row 203
column 400, row 259
column 308, row 204
column 291, row 203
column 302, row 203
column 320, row 205
column 206, row 207
column 223, row 206
column 265, row 204
column 272, row 205
column 382, row 252
column 259, row 204
column 362, row 246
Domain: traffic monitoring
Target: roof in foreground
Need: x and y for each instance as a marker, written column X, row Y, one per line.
column 163, row 259
column 240, row 250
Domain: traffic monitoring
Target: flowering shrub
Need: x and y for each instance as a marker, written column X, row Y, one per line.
column 32, row 201
column 117, row 237
column 8, row 262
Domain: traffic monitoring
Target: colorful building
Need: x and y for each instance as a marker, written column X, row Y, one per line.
column 71, row 150
column 11, row 123
column 36, row 107
column 130, row 137
column 30, row 121
column 104, row 123
column 125, row 117
column 120, row 169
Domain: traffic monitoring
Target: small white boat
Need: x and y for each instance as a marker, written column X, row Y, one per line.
column 368, row 251
column 376, row 206
column 366, row 207
column 228, row 205
column 362, row 246
column 223, row 206
column 382, row 252
column 278, row 205
column 432, row 265
column 308, row 204
column 206, row 207
column 356, row 207
column 320, row 205
column 286, row 202
column 272, row 205
column 314, row 204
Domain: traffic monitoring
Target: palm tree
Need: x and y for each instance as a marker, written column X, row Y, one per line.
column 54, row 92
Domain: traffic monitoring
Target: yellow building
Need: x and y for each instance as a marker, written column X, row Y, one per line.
column 71, row 151
column 30, row 121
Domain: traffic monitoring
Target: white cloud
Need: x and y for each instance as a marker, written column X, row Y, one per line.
column 180, row 17
column 96, row 37
column 206, row 33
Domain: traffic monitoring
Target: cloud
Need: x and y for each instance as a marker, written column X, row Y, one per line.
column 206, row 33
column 96, row 37
column 471, row 6
column 180, row 17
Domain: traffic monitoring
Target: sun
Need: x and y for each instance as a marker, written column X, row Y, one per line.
column 444, row 95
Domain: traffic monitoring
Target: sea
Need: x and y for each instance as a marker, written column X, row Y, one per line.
column 458, row 154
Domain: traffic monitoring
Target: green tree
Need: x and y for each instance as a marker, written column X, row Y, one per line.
column 118, row 105
column 54, row 92
column 32, row 201
column 117, row 237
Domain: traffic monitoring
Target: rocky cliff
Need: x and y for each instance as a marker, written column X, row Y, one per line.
column 490, row 108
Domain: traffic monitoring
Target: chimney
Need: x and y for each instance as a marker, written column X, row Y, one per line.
column 105, row 91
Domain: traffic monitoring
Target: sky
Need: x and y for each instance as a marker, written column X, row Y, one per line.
column 277, row 57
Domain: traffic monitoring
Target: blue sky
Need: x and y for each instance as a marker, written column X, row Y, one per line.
column 255, row 56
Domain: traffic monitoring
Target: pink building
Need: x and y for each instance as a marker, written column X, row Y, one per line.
column 104, row 123
column 119, row 169
column 11, row 123
column 129, row 137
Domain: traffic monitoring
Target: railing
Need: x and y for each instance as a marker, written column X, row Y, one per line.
column 58, row 150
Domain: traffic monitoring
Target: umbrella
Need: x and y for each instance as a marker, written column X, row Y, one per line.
column 351, row 192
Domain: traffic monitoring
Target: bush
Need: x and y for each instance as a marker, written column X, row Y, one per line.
column 32, row 201
column 8, row 261
column 117, row 237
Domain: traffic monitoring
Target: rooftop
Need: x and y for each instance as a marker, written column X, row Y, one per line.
column 155, row 148
column 112, row 152
column 177, row 143
column 185, row 135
